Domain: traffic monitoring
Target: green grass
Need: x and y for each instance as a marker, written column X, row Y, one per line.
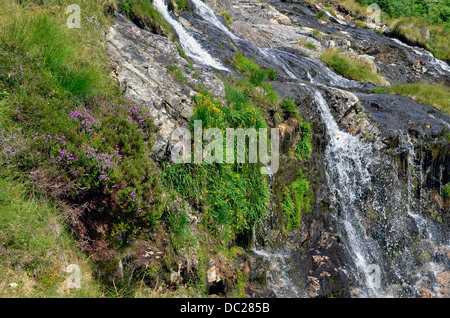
column 224, row 13
column 446, row 192
column 317, row 34
column 295, row 202
column 144, row 14
column 63, row 51
column 436, row 95
column 307, row 44
column 177, row 73
column 252, row 70
column 181, row 4
column 36, row 248
column 362, row 25
column 350, row 68
column 304, row 147
column 435, row 12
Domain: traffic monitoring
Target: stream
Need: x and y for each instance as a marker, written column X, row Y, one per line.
column 389, row 245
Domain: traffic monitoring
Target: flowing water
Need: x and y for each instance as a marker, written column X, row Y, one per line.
column 442, row 67
column 192, row 48
column 349, row 180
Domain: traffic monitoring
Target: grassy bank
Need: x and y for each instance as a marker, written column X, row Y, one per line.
column 350, row 68
column 36, row 248
column 424, row 23
column 435, row 95
column 70, row 136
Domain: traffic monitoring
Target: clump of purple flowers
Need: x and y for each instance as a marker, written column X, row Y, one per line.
column 85, row 118
column 59, row 148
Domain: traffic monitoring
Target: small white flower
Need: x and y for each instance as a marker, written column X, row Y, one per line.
column 13, row 285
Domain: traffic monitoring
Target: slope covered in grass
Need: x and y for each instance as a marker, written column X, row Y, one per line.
column 350, row 68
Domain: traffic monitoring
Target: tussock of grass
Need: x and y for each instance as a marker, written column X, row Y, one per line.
column 224, row 13
column 144, row 14
column 307, row 44
column 295, row 202
column 349, row 68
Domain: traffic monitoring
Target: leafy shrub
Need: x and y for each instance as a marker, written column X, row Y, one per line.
column 232, row 196
column 99, row 144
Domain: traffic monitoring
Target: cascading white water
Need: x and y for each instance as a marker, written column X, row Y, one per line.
column 274, row 56
column 346, row 169
column 208, row 14
column 347, row 159
column 442, row 67
column 189, row 44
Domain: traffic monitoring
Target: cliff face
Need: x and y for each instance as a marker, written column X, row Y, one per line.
column 379, row 162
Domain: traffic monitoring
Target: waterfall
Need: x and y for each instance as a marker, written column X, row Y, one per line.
column 346, row 170
column 347, row 159
column 351, row 184
column 208, row 15
column 277, row 57
column 192, row 48
column 442, row 67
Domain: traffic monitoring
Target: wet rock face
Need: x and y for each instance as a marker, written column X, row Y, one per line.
column 409, row 150
column 260, row 24
column 140, row 59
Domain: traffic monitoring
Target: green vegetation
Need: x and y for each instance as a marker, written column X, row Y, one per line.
column 145, row 15
column 43, row 34
column 295, row 201
column 433, row 37
column 232, row 196
column 63, row 119
column 307, row 44
column 36, row 249
column 350, row 68
column 434, row 12
column 181, row 4
column 98, row 143
column 304, row 147
column 177, row 73
column 322, row 16
column 317, row 34
column 435, row 95
column 224, row 13
column 446, row 192
column 425, row 22
column 362, row 25
column 252, row 70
